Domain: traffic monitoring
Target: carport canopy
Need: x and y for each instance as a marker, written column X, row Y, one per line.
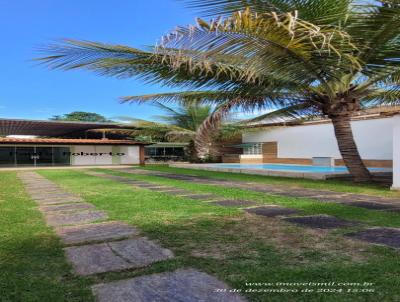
column 48, row 128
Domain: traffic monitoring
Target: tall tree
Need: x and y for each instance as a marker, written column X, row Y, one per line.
column 299, row 58
column 184, row 123
column 80, row 116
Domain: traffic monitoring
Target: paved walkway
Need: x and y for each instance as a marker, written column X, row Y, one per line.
column 379, row 235
column 95, row 245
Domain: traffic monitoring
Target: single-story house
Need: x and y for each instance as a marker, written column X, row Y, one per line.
column 294, row 142
column 58, row 143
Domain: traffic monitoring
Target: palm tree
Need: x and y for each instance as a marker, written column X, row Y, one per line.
column 298, row 58
column 181, row 124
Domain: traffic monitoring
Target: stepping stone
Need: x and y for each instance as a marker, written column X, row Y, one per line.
column 333, row 198
column 115, row 256
column 370, row 205
column 201, row 196
column 67, row 207
column 146, row 186
column 386, row 236
column 178, row 192
column 262, row 190
column 140, row 252
column 271, row 211
column 112, row 230
column 321, row 221
column 75, row 218
column 53, row 196
column 234, row 203
column 47, row 202
column 184, row 285
column 94, row 259
column 165, row 189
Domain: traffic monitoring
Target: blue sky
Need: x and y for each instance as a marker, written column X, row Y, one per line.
column 34, row 92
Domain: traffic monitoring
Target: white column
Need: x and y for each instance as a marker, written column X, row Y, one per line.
column 396, row 153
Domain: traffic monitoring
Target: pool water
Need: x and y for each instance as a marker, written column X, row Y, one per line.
column 292, row 168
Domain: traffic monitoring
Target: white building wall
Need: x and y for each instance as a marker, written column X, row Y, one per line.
column 396, row 153
column 131, row 155
column 373, row 137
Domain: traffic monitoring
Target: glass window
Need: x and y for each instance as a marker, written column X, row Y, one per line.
column 254, row 149
column 7, row 156
column 61, row 156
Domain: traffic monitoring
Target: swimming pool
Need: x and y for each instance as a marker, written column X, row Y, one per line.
column 289, row 168
column 283, row 170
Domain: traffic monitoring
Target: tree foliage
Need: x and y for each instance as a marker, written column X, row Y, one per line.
column 296, row 58
column 81, row 116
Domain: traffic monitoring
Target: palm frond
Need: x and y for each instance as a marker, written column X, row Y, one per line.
column 298, row 111
column 282, row 46
column 318, row 12
column 374, row 28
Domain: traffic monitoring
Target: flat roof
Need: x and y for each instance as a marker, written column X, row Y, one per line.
column 66, row 141
column 48, row 128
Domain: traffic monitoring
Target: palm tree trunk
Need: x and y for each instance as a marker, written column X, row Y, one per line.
column 205, row 132
column 348, row 148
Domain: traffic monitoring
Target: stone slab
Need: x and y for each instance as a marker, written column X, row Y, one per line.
column 202, row 196
column 115, row 256
column 94, row 259
column 112, row 230
column 234, row 203
column 271, row 211
column 179, row 192
column 321, row 221
column 51, row 195
column 67, row 207
column 185, row 285
column 146, row 185
column 385, row 236
column 263, row 190
column 47, row 202
column 75, row 218
column 166, row 190
column 140, row 252
column 370, row 205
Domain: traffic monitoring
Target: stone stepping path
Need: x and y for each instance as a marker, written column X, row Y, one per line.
column 321, row 222
column 110, row 230
column 370, row 205
column 115, row 256
column 111, row 246
column 312, row 221
column 185, row 285
column 75, row 207
column 271, row 211
column 320, row 195
column 60, row 219
column 384, row 236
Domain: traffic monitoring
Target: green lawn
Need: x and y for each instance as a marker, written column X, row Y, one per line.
column 334, row 185
column 226, row 242
column 32, row 264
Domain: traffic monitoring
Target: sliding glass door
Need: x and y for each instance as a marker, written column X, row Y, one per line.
column 25, row 156
column 34, row 156
column 44, row 156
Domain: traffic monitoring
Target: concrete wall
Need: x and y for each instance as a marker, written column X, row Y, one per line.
column 92, row 155
column 374, row 139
